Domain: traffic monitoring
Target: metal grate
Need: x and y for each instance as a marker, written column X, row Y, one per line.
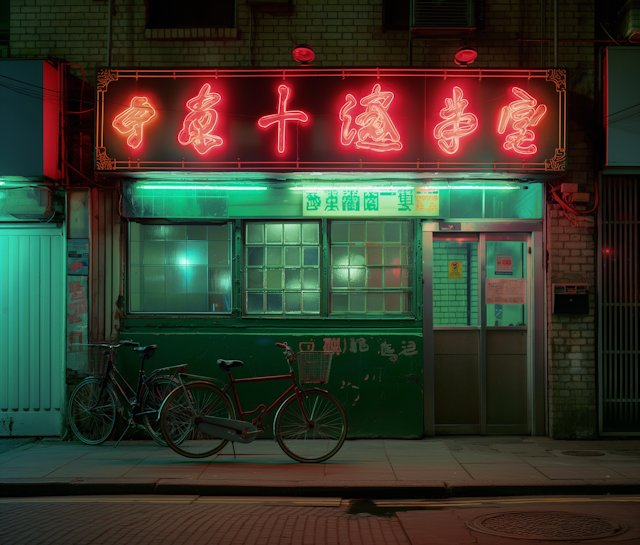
column 443, row 14
column 619, row 306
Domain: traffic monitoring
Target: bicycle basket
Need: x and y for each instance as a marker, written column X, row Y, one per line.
column 314, row 367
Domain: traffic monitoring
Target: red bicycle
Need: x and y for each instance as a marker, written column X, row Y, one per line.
column 198, row 419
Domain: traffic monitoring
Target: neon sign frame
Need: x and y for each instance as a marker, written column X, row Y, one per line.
column 316, row 93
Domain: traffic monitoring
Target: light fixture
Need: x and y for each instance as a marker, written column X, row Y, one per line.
column 303, row 54
column 465, row 55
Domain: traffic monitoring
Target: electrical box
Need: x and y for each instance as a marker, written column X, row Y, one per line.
column 569, row 188
column 571, row 298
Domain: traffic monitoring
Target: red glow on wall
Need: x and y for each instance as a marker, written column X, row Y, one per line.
column 199, row 123
column 282, row 117
column 523, row 113
column 132, row 120
column 377, row 131
column 456, row 123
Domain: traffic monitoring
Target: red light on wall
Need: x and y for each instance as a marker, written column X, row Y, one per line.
column 377, row 131
column 201, row 121
column 523, row 113
column 456, row 124
column 132, row 120
column 282, row 117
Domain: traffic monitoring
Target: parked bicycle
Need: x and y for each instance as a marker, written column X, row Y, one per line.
column 198, row 419
column 94, row 404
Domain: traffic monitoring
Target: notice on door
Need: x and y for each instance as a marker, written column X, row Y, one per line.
column 506, row 291
column 455, row 270
column 504, row 266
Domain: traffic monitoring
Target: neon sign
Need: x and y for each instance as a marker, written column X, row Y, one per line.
column 282, row 117
column 133, row 119
column 201, row 121
column 331, row 119
column 377, row 131
column 456, row 124
column 524, row 114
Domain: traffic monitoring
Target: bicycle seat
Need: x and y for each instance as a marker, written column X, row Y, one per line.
column 146, row 349
column 225, row 365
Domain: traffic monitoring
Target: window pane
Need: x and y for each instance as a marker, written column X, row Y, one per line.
column 391, row 232
column 339, row 302
column 356, row 256
column 255, row 303
column 357, row 277
column 310, row 257
column 292, row 256
column 274, row 279
column 357, row 231
column 135, row 231
column 284, row 255
column 375, row 302
column 274, row 233
column 255, row 257
column 379, row 258
column 339, row 232
column 374, row 255
column 292, row 279
column 274, row 303
column 311, row 302
column 274, row 257
column 311, row 279
column 177, row 276
column 357, row 302
column 340, row 256
column 255, row 233
column 292, row 233
column 310, row 233
column 293, row 303
column 255, row 279
column 218, row 253
column 340, row 278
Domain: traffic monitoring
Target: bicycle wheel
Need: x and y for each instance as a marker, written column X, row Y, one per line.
column 180, row 413
column 155, row 393
column 320, row 440
column 92, row 421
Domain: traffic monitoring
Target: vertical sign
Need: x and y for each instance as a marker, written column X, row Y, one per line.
column 77, row 305
column 504, row 265
column 455, row 270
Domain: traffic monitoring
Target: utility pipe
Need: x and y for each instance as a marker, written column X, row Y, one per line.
column 555, row 33
column 109, row 36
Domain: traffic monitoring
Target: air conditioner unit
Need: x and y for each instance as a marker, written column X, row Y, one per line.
column 29, row 203
column 443, row 14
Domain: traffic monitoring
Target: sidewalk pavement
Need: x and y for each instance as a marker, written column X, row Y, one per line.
column 363, row 468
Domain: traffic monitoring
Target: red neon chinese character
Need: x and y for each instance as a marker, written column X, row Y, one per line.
column 377, row 132
column 524, row 114
column 200, row 122
column 282, row 117
column 133, row 119
column 456, row 123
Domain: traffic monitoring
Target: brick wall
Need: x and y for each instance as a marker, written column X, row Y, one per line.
column 516, row 34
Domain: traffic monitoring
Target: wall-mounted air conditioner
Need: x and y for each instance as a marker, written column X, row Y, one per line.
column 29, row 203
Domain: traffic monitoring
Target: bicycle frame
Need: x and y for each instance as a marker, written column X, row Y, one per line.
column 112, row 374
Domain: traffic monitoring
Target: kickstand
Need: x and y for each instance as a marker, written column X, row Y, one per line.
column 125, row 431
column 233, row 446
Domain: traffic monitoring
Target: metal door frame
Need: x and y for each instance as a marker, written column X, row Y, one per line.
column 537, row 373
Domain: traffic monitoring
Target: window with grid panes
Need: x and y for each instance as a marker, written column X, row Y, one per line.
column 180, row 268
column 282, row 268
column 371, row 267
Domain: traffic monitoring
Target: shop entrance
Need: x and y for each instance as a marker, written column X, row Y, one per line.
column 483, row 298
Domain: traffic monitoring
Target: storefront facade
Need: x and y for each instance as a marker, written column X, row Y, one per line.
column 424, row 279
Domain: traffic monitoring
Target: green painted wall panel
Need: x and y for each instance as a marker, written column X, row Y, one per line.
column 376, row 375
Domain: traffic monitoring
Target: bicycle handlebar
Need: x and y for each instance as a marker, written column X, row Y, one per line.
column 288, row 352
column 113, row 346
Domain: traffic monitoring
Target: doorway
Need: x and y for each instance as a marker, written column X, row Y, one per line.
column 483, row 298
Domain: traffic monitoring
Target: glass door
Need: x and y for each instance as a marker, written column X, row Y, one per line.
column 478, row 343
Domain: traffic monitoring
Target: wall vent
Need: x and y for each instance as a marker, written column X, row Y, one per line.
column 443, row 14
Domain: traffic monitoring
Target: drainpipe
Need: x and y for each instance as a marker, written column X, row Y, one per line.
column 109, row 37
column 555, row 33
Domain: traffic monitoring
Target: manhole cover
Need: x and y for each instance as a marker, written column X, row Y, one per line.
column 582, row 453
column 545, row 525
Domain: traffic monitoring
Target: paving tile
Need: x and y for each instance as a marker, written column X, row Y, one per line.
column 26, row 472
column 504, row 472
column 467, row 457
column 630, row 470
column 583, row 472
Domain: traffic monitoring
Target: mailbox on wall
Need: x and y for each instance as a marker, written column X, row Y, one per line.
column 571, row 298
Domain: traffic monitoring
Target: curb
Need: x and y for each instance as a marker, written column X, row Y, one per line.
column 180, row 487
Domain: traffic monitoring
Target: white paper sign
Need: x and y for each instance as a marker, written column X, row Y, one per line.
column 506, row 291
